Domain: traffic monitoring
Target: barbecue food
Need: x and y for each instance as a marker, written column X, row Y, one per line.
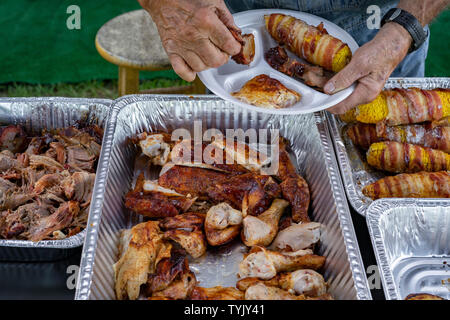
column 363, row 135
column 313, row 44
column 312, row 76
column 247, row 41
column 411, row 185
column 222, row 224
column 263, row 91
column 261, row 230
column 46, row 181
column 180, row 288
column 155, row 146
column 140, row 250
column 265, row 264
column 303, row 281
column 293, row 187
column 297, row 237
column 260, row 291
column 216, row 293
column 404, row 106
column 190, row 180
column 251, row 193
column 423, row 296
column 403, row 157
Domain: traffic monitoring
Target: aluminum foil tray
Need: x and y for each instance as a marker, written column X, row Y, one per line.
column 411, row 241
column 35, row 114
column 356, row 173
column 313, row 151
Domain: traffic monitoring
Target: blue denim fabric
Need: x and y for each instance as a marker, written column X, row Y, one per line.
column 350, row 15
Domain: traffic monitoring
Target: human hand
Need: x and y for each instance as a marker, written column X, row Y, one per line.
column 370, row 67
column 194, row 33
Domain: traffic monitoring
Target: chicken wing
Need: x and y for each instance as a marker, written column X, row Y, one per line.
column 265, row 264
column 260, row 291
column 297, row 237
column 222, row 224
column 216, row 293
column 293, row 187
column 179, row 289
column 304, row 281
column 193, row 242
column 261, row 230
column 139, row 250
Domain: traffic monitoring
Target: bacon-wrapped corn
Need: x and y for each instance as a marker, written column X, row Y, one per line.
column 363, row 135
column 403, row 157
column 314, row 44
column 404, row 106
column 411, row 185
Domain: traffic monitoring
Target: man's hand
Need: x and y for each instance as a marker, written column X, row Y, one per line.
column 370, row 67
column 194, row 33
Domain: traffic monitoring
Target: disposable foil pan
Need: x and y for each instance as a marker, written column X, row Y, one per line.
column 313, row 152
column 356, row 173
column 411, row 241
column 35, row 114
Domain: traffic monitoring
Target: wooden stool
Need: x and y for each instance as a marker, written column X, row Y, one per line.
column 132, row 42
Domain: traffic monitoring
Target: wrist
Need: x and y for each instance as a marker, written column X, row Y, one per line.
column 398, row 34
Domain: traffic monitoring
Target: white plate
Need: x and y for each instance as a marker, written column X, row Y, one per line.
column 232, row 76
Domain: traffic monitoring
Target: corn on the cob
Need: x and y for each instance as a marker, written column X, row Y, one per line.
column 311, row 43
column 403, row 157
column 405, row 106
column 411, row 185
column 363, row 135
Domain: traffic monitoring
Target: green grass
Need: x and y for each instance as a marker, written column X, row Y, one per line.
column 106, row 89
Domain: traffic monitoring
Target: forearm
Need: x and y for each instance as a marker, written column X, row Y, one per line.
column 424, row 10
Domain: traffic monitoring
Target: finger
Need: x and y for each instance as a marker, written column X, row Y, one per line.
column 345, row 78
column 366, row 91
column 212, row 56
column 221, row 36
column 193, row 60
column 181, row 68
column 225, row 16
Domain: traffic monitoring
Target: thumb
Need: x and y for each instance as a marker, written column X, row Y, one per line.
column 345, row 78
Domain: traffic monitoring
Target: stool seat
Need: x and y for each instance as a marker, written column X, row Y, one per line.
column 132, row 40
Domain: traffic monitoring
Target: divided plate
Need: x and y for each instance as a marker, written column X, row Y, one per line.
column 232, row 76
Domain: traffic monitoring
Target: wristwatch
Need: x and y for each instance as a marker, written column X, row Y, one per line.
column 410, row 23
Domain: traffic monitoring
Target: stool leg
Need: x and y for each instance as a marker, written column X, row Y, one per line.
column 198, row 87
column 128, row 81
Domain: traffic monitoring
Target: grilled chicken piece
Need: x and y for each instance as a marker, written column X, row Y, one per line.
column 167, row 270
column 304, row 281
column 293, row 187
column 12, row 138
column 313, row 76
column 190, row 181
column 245, row 283
column 140, row 250
column 216, row 293
column 247, row 41
column 179, row 289
column 260, row 291
column 258, row 191
column 265, row 264
column 193, row 242
column 261, row 230
column 58, row 220
column 297, row 237
column 155, row 146
column 186, row 230
column 423, row 296
column 266, row 92
column 222, row 224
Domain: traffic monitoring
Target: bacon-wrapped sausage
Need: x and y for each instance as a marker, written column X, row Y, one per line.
column 314, row 44
column 403, row 157
column 363, row 135
column 411, row 185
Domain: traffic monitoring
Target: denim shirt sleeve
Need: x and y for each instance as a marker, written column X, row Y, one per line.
column 350, row 15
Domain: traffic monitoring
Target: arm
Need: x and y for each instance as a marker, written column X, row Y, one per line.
column 374, row 62
column 194, row 33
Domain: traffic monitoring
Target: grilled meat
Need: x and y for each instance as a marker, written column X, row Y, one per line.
column 297, row 237
column 12, row 138
column 313, row 76
column 216, row 293
column 222, row 224
column 247, row 41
